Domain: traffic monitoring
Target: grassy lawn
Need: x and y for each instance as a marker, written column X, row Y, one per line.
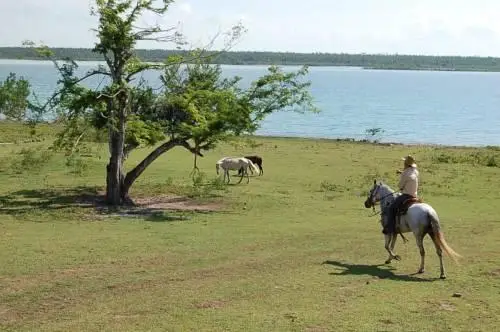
column 293, row 250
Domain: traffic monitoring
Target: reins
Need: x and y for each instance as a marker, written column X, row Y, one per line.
column 381, row 198
column 375, row 213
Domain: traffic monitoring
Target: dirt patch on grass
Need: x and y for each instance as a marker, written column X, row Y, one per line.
column 177, row 203
column 493, row 273
column 215, row 304
column 155, row 205
column 316, row 328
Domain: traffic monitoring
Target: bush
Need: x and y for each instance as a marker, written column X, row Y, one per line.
column 30, row 160
column 478, row 158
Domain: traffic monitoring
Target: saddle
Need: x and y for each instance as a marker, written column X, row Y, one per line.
column 403, row 208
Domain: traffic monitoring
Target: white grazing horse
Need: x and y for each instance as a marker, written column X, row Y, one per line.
column 235, row 163
column 420, row 218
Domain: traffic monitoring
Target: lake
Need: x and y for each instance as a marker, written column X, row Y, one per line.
column 437, row 107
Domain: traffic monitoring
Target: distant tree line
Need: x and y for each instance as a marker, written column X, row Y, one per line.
column 371, row 61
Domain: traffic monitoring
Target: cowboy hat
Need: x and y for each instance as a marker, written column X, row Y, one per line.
column 410, row 161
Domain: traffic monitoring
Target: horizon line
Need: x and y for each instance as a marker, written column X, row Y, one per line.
column 283, row 52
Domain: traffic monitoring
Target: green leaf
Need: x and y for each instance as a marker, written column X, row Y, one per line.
column 14, row 93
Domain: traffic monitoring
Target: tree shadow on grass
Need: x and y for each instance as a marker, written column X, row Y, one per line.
column 25, row 201
column 85, row 197
column 379, row 271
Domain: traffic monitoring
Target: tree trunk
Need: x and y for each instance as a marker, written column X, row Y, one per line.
column 141, row 167
column 114, row 170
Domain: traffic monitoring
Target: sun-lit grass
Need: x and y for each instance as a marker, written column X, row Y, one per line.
column 257, row 265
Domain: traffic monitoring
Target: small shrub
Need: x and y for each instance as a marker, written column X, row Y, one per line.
column 326, row 186
column 5, row 164
column 491, row 162
column 203, row 188
column 31, row 160
column 78, row 165
column 443, row 158
column 479, row 158
column 218, row 184
column 373, row 134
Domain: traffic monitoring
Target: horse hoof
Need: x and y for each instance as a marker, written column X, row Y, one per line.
column 420, row 271
column 442, row 277
column 397, row 257
column 388, row 261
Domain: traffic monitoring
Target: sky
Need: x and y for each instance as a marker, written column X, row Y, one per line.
column 436, row 27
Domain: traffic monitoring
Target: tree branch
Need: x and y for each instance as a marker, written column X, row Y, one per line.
column 143, row 68
column 141, row 167
column 131, row 18
column 63, row 90
column 188, row 147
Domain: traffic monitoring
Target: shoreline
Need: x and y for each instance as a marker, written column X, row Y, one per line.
column 299, row 64
column 368, row 142
column 6, row 124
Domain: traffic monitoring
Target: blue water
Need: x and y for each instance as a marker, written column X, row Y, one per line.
column 452, row 108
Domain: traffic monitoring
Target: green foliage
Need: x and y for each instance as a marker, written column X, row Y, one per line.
column 327, row 186
column 203, row 188
column 30, row 160
column 279, row 90
column 195, row 105
column 143, row 133
column 478, row 158
column 17, row 132
column 199, row 104
column 14, row 93
column 77, row 165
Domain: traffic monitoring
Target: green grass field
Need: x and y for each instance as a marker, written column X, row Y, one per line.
column 258, row 264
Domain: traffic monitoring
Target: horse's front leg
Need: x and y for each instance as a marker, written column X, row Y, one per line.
column 390, row 243
column 226, row 172
column 242, row 174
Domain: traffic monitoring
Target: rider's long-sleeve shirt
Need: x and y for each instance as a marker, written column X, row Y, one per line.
column 408, row 182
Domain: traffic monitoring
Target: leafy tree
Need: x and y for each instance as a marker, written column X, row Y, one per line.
column 195, row 109
column 14, row 93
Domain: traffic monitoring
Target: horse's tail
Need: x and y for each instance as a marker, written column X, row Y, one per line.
column 439, row 236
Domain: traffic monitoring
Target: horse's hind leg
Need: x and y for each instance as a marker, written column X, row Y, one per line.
column 242, row 174
column 420, row 244
column 390, row 243
column 439, row 252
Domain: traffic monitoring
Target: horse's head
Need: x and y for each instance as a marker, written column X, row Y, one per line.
column 380, row 192
column 373, row 195
column 217, row 165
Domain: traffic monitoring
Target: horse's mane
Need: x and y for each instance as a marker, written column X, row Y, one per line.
column 222, row 159
column 386, row 186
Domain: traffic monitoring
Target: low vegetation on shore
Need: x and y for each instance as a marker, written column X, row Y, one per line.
column 368, row 61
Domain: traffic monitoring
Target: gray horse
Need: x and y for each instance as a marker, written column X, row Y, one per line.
column 420, row 218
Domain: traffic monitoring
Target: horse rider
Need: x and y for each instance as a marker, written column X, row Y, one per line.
column 408, row 185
